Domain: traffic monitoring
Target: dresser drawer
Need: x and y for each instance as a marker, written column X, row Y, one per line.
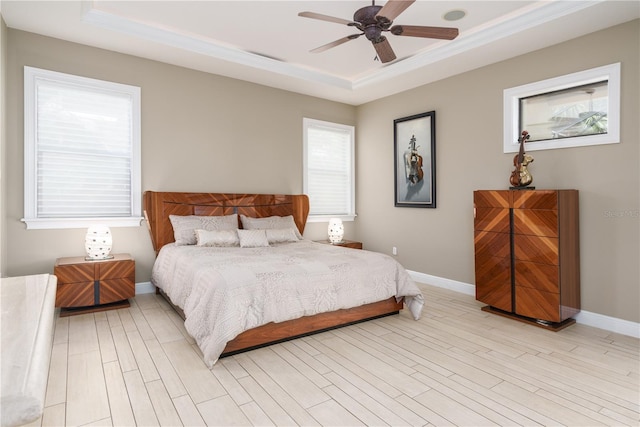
column 539, row 199
column 491, row 199
column 493, row 282
column 538, row 304
column 491, row 244
column 535, row 222
column 543, row 250
column 544, row 277
column 491, row 219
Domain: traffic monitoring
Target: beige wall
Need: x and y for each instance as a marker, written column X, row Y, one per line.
column 3, row 133
column 469, row 157
column 204, row 132
column 200, row 132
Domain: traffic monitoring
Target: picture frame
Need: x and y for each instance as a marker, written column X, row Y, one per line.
column 559, row 112
column 414, row 140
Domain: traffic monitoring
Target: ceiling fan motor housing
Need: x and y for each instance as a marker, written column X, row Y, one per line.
column 371, row 26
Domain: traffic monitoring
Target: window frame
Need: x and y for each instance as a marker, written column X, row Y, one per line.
column 511, row 105
column 32, row 76
column 308, row 123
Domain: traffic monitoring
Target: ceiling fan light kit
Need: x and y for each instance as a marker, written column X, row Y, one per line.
column 373, row 20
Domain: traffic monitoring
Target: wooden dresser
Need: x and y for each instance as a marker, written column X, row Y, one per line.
column 527, row 254
column 88, row 286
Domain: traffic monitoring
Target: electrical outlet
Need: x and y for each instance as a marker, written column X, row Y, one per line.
column 394, row 250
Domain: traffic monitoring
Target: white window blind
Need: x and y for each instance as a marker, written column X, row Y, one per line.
column 82, row 151
column 329, row 169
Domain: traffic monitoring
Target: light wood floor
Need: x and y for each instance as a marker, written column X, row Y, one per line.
column 456, row 366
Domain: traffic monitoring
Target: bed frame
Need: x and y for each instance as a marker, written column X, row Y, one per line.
column 159, row 205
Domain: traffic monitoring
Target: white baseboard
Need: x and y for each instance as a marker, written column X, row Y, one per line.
column 441, row 282
column 608, row 323
column 612, row 324
column 145, row 288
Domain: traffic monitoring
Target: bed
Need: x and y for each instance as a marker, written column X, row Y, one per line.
column 202, row 282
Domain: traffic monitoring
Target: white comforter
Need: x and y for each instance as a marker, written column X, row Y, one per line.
column 225, row 291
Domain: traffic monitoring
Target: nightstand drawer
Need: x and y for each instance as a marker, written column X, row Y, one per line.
column 116, row 270
column 74, row 273
column 116, row 290
column 75, row 294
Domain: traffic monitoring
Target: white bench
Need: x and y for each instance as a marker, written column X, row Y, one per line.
column 28, row 311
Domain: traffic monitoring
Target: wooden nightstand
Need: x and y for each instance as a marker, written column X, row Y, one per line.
column 346, row 243
column 89, row 286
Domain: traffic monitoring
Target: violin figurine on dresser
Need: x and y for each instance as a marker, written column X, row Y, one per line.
column 521, row 177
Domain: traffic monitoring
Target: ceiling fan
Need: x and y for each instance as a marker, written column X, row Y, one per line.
column 373, row 20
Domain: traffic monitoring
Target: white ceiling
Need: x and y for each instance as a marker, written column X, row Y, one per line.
column 266, row 42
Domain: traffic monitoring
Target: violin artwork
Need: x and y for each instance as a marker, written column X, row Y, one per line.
column 520, row 177
column 413, row 163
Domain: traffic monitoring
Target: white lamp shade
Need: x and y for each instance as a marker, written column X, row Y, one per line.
column 336, row 230
column 98, row 242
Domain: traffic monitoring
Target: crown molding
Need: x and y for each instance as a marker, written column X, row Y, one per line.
column 525, row 18
column 203, row 46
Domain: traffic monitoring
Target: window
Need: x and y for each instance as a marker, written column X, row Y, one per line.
column 576, row 111
column 82, row 151
column 573, row 110
column 329, row 170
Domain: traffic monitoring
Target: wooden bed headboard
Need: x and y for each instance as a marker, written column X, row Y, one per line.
column 159, row 205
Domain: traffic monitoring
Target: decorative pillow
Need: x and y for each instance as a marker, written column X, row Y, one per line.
column 253, row 238
column 184, row 227
column 217, row 238
column 281, row 235
column 271, row 222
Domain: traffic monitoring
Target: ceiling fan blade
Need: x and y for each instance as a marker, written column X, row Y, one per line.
column 445, row 33
column 335, row 43
column 328, row 18
column 392, row 9
column 384, row 51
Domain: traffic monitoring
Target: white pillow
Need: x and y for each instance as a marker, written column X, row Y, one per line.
column 281, row 235
column 271, row 222
column 253, row 238
column 184, row 227
column 217, row 238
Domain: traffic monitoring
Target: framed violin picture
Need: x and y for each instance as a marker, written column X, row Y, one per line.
column 415, row 160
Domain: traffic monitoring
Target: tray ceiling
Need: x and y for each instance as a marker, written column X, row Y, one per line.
column 266, row 42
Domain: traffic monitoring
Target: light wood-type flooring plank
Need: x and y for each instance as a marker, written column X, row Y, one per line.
column 119, row 403
column 86, row 389
column 457, row 365
column 188, row 412
column 143, row 410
